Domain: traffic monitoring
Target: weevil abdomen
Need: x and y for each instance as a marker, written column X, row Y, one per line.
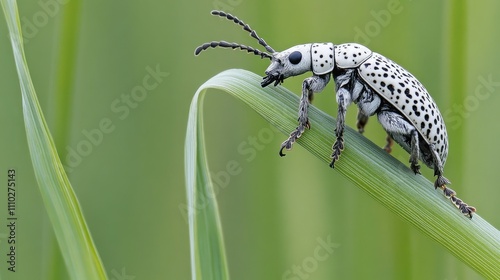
column 405, row 93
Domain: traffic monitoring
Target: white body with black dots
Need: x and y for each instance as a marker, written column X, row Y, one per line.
column 376, row 84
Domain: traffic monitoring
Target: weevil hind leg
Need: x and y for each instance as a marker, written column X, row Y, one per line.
column 441, row 183
column 399, row 130
column 309, row 87
column 403, row 132
column 362, row 120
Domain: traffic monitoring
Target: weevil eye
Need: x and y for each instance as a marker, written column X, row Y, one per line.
column 295, row 57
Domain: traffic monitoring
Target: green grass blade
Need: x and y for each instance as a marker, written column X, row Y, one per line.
column 63, row 208
column 388, row 181
column 208, row 259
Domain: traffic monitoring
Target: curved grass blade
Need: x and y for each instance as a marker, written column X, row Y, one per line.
column 208, row 259
column 388, row 181
column 63, row 208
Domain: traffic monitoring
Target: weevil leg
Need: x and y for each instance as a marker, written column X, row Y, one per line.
column 389, row 143
column 402, row 131
column 309, row 87
column 303, row 120
column 362, row 120
column 343, row 100
column 441, row 183
column 346, row 86
column 415, row 167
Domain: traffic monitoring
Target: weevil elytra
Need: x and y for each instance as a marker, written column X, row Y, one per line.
column 377, row 85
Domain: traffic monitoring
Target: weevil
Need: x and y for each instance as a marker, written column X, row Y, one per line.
column 377, row 85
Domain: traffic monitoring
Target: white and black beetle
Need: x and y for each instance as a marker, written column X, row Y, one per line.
column 376, row 84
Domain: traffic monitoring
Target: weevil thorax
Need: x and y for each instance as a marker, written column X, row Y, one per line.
column 323, row 60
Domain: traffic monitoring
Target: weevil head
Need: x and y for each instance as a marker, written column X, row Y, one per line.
column 317, row 57
column 288, row 63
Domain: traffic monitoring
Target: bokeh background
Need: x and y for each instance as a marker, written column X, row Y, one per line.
column 130, row 181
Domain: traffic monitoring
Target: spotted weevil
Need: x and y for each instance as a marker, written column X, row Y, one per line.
column 376, row 84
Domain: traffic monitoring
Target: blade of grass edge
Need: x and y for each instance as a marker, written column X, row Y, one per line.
column 475, row 242
column 63, row 208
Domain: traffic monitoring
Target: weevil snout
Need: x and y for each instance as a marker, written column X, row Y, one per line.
column 271, row 77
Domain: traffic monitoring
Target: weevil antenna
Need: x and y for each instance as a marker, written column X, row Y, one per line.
column 233, row 46
column 245, row 26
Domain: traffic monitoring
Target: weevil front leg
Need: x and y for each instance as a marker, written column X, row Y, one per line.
column 309, row 87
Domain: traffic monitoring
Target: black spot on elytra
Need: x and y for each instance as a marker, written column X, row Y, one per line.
column 390, row 87
column 407, row 93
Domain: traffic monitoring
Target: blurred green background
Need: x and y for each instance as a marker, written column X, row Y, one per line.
column 130, row 181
